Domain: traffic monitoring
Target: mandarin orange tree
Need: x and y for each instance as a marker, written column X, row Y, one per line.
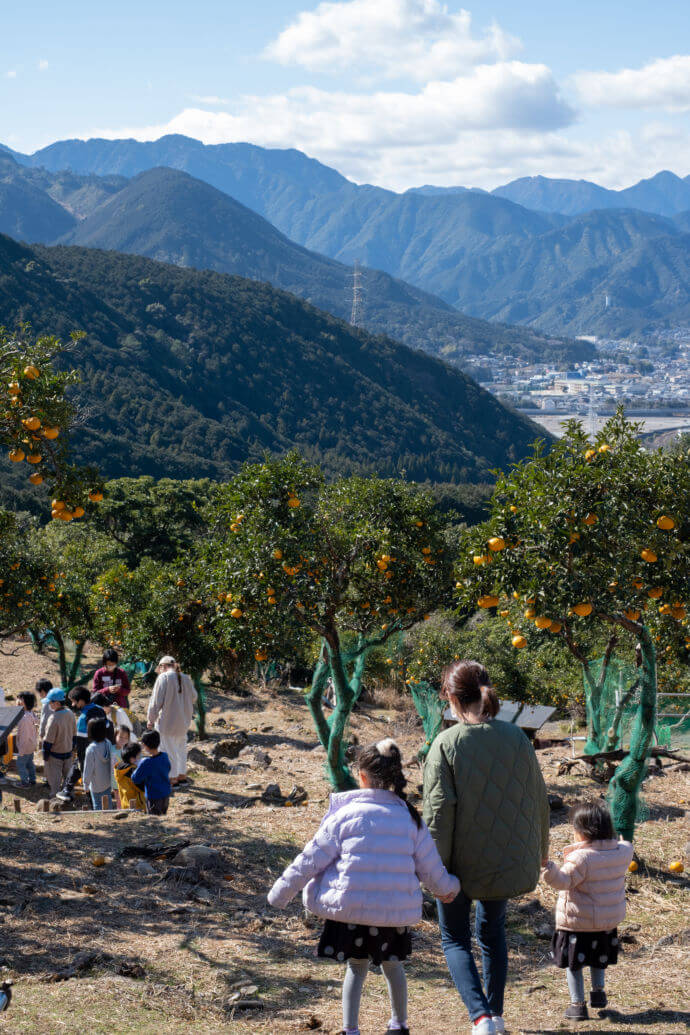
column 156, row 609
column 591, row 536
column 35, row 416
column 291, row 557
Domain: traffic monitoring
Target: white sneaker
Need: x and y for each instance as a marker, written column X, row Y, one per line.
column 499, row 1024
column 485, row 1027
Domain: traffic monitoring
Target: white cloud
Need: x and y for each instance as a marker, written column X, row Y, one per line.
column 661, row 84
column 333, row 124
column 11, row 74
column 42, row 66
column 417, row 39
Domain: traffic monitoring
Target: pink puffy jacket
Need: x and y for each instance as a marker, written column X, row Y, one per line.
column 591, row 884
column 365, row 862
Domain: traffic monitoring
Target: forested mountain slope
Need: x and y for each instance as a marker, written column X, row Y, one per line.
column 187, row 374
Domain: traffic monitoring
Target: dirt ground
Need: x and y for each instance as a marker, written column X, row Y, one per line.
column 173, row 952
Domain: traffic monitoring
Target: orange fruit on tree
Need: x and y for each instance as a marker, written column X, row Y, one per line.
column 36, row 478
column 278, row 555
column 17, row 455
column 605, row 448
column 293, row 503
column 665, row 523
column 236, row 612
column 79, row 512
column 590, row 454
column 32, row 372
column 31, row 423
column 260, row 655
column 632, row 615
column 530, row 613
column 13, row 388
column 497, row 543
column 649, row 556
column 518, row 641
column 555, row 627
column 542, row 622
column 583, row 610
column 488, row 601
column 51, row 432
column 95, row 496
column 34, row 458
column 590, row 519
column 655, row 592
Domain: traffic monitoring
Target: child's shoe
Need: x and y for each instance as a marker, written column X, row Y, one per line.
column 397, row 1031
column 484, row 1026
column 597, row 998
column 499, row 1024
column 576, row 1012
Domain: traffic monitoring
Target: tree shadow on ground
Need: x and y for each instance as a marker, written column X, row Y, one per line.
column 54, row 902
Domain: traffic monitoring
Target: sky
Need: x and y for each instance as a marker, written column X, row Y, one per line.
column 394, row 92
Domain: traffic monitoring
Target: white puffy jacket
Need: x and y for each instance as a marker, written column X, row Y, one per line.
column 365, row 863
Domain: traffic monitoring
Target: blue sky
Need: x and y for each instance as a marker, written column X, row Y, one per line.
column 396, row 92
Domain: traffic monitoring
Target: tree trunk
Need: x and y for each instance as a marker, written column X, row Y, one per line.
column 338, row 769
column 347, row 687
column 62, row 659
column 625, row 786
column 315, row 697
column 73, row 670
column 200, row 706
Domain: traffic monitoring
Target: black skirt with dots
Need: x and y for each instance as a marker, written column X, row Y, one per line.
column 578, row 949
column 359, row 942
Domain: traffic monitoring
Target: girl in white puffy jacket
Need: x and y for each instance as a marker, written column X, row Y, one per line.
column 361, row 874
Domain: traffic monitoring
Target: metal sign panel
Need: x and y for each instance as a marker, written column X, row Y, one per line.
column 528, row 717
column 10, row 715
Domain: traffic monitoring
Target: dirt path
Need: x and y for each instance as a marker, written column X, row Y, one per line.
column 171, row 953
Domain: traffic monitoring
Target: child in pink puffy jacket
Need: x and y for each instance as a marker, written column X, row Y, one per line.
column 590, row 905
column 361, row 874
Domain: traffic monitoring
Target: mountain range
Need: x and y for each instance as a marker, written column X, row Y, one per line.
column 168, row 215
column 563, row 257
column 188, row 373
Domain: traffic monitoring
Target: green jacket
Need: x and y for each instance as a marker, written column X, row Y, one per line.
column 486, row 806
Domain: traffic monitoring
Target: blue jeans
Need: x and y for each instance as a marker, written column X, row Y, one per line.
column 96, row 799
column 456, row 938
column 26, row 769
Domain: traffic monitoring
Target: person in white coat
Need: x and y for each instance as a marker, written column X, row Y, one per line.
column 170, row 711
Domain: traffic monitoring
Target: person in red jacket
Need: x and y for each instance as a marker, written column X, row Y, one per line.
column 112, row 680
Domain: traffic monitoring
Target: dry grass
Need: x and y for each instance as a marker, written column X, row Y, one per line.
column 195, row 953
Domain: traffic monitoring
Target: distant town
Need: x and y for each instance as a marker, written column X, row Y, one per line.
column 649, row 376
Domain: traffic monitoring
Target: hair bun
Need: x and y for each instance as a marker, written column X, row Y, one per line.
column 387, row 747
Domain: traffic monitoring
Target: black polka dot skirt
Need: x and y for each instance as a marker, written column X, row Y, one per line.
column 578, row 949
column 359, row 941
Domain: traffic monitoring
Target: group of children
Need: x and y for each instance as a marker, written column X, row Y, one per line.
column 92, row 741
column 361, row 874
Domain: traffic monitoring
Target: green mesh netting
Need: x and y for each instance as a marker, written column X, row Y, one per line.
column 612, row 697
column 332, row 730
column 622, row 712
column 673, row 720
column 430, row 709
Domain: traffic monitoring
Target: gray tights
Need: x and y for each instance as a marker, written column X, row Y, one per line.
column 576, row 982
column 353, row 983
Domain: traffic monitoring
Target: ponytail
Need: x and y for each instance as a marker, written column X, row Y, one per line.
column 382, row 762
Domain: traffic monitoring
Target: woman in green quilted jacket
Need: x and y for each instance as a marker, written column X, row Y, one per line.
column 486, row 806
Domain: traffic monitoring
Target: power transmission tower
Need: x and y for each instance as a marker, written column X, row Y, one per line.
column 591, row 416
column 357, row 295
